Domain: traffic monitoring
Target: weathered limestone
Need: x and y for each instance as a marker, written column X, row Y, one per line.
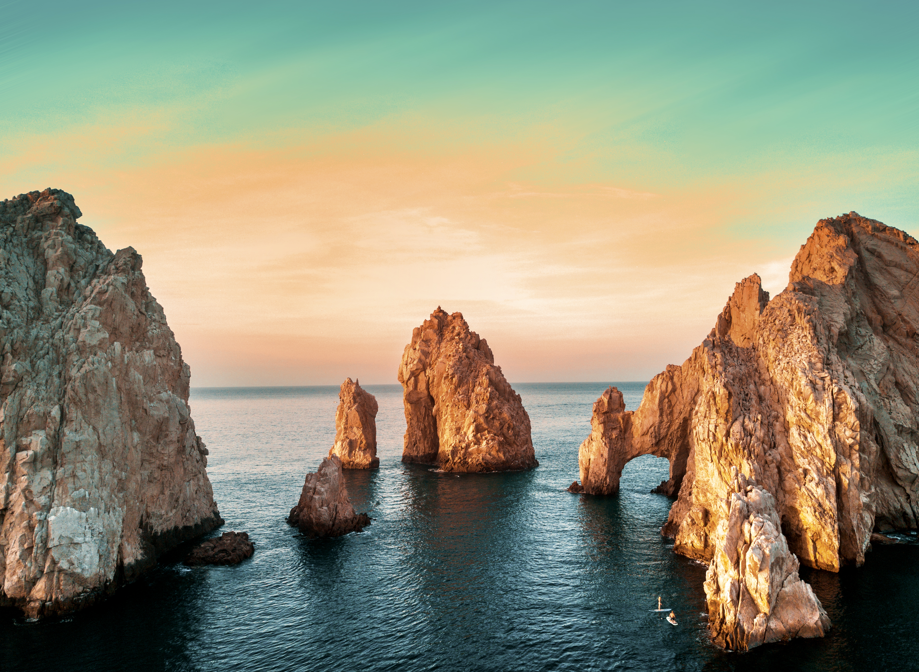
column 356, row 428
column 462, row 414
column 100, row 467
column 230, row 548
column 814, row 395
column 752, row 587
column 324, row 509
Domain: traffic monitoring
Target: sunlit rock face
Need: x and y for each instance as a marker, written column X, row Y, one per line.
column 461, row 413
column 752, row 588
column 356, row 428
column 813, row 395
column 100, row 466
column 324, row 509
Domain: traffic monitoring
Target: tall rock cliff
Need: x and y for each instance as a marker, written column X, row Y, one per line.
column 100, row 466
column 462, row 414
column 356, row 427
column 813, row 395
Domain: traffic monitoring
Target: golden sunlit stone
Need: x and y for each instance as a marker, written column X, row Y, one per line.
column 813, row 395
column 462, row 414
column 356, row 428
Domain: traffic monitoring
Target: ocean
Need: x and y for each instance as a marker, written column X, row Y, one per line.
column 456, row 572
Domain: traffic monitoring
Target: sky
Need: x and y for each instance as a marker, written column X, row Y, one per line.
column 584, row 181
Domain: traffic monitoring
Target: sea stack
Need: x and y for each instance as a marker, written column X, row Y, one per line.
column 324, row 509
column 462, row 415
column 813, row 395
column 355, row 428
column 100, row 467
column 752, row 587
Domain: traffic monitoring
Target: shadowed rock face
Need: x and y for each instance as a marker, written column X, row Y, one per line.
column 356, row 428
column 324, row 509
column 752, row 587
column 100, row 467
column 813, row 395
column 461, row 413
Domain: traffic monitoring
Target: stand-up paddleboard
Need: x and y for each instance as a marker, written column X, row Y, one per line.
column 660, row 609
column 671, row 620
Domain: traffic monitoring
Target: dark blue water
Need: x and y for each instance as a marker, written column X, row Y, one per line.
column 473, row 572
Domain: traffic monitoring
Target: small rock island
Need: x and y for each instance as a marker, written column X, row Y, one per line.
column 324, row 509
column 356, row 428
column 100, row 467
column 461, row 413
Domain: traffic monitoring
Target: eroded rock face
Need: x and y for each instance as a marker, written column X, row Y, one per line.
column 461, row 413
column 230, row 548
column 324, row 509
column 752, row 587
column 814, row 395
column 356, row 428
column 100, row 466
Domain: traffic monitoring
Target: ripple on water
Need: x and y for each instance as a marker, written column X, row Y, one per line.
column 481, row 572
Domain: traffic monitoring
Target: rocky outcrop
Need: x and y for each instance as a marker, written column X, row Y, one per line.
column 230, row 548
column 814, row 395
column 324, row 509
column 100, row 467
column 752, row 587
column 355, row 428
column 461, row 413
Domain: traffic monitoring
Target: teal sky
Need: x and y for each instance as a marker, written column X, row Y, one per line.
column 704, row 86
column 780, row 112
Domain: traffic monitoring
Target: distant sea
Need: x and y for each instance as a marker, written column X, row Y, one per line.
column 474, row 572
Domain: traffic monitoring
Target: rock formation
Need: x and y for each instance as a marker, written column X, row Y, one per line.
column 100, row 467
column 752, row 587
column 356, row 428
column 814, row 395
column 324, row 509
column 230, row 548
column 462, row 414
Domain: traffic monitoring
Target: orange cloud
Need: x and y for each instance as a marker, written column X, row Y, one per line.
column 304, row 263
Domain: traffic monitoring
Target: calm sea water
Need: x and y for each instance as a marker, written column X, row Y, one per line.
column 474, row 572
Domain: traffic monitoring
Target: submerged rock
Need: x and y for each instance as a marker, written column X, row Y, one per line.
column 814, row 394
column 461, row 413
column 230, row 548
column 752, row 587
column 100, row 467
column 324, row 509
column 356, row 428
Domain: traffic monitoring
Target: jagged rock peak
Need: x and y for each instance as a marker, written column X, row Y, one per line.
column 460, row 411
column 100, row 467
column 752, row 587
column 324, row 509
column 814, row 394
column 356, row 428
column 740, row 316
